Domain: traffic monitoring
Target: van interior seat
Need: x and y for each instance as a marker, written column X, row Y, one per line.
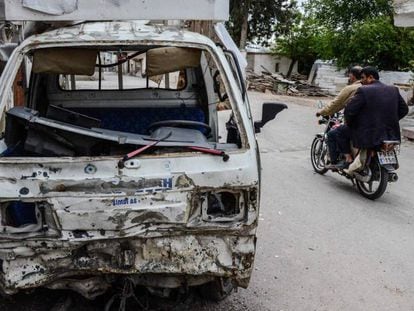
column 138, row 120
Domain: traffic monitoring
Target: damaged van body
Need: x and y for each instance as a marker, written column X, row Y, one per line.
column 116, row 161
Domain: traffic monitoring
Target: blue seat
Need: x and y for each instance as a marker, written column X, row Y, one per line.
column 137, row 120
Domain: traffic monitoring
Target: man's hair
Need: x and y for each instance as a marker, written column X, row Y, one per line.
column 356, row 72
column 370, row 71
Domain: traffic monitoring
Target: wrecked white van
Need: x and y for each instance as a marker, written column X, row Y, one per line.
column 115, row 161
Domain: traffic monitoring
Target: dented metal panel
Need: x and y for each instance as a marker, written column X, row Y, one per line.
column 228, row 256
column 160, row 216
column 104, row 10
column 153, row 220
column 55, row 7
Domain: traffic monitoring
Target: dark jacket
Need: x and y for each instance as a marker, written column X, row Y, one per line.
column 373, row 114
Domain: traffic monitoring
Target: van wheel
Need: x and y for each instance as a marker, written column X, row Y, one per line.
column 217, row 290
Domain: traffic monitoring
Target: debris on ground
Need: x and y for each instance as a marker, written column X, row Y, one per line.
column 276, row 83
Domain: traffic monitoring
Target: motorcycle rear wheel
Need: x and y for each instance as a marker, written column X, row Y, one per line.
column 319, row 152
column 379, row 177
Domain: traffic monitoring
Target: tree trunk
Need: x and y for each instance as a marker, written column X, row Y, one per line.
column 291, row 66
column 205, row 28
column 244, row 29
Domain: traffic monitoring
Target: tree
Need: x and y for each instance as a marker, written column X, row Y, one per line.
column 342, row 15
column 375, row 42
column 304, row 43
column 259, row 20
column 359, row 32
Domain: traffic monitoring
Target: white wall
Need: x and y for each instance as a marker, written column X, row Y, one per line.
column 328, row 77
column 404, row 13
column 392, row 77
column 257, row 60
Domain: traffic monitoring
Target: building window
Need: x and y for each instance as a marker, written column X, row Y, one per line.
column 277, row 67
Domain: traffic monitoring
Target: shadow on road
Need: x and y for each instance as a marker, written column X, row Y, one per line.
column 59, row 300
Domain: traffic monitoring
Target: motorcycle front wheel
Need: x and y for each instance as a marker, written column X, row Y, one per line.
column 319, row 152
column 376, row 186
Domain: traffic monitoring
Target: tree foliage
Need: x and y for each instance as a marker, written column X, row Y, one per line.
column 350, row 32
column 263, row 18
column 375, row 42
column 302, row 43
column 342, row 15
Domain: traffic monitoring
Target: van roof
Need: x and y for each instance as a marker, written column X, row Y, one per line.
column 110, row 10
column 130, row 32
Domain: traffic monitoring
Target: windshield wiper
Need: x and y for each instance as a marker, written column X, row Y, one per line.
column 129, row 156
column 121, row 163
column 216, row 152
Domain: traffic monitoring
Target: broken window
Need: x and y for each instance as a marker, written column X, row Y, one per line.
column 124, row 71
column 91, row 102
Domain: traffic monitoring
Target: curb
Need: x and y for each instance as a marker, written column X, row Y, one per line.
column 408, row 132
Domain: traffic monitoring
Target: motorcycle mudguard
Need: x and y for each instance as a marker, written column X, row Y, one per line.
column 389, row 167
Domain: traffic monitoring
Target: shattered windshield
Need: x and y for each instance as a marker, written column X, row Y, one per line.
column 90, row 102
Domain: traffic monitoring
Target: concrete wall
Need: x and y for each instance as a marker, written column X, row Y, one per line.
column 391, row 77
column 404, row 13
column 330, row 78
column 256, row 60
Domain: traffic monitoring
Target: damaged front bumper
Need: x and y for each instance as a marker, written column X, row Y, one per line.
column 156, row 262
column 167, row 231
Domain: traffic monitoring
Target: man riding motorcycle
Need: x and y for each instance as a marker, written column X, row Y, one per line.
column 339, row 138
column 373, row 113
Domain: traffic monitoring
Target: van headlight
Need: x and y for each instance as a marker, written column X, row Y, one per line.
column 223, row 206
column 25, row 217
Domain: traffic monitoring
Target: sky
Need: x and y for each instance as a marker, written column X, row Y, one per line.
column 300, row 2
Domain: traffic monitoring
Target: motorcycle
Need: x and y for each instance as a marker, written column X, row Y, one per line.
column 377, row 166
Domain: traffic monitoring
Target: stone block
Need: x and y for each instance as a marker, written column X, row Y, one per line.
column 408, row 132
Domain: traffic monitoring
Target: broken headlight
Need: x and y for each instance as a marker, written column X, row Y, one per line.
column 223, row 206
column 24, row 217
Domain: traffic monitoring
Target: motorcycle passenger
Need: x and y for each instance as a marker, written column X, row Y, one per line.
column 339, row 138
column 373, row 113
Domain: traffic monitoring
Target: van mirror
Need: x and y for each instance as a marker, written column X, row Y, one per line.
column 269, row 112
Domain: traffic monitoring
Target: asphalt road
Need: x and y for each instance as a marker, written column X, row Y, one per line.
column 321, row 246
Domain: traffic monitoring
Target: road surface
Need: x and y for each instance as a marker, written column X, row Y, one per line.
column 321, row 246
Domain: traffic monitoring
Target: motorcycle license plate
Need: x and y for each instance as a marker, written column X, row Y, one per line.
column 387, row 157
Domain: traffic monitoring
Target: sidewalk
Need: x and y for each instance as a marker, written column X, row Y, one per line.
column 408, row 128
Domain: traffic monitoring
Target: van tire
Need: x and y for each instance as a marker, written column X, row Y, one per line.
column 217, row 290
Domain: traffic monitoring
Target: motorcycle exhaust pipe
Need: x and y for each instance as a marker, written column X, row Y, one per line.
column 392, row 177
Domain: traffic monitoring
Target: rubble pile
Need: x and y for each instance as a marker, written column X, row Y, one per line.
column 297, row 85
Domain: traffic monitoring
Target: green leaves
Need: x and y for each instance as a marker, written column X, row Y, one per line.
column 345, row 14
column 375, row 42
column 306, row 41
column 350, row 32
column 266, row 18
